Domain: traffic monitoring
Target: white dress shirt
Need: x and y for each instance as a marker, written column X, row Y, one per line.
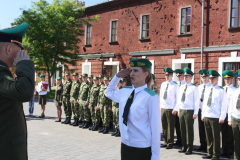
column 218, row 107
column 182, row 82
column 232, row 110
column 172, row 94
column 143, row 126
column 229, row 92
column 200, row 89
column 39, row 87
column 191, row 98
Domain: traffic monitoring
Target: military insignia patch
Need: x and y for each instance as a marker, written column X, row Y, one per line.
column 132, row 64
column 140, row 64
column 9, row 78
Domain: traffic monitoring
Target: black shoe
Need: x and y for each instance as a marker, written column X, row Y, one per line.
column 207, row 157
column 95, row 128
column 163, row 145
column 83, row 124
column 42, row 116
column 229, row 156
column 215, row 158
column 64, row 121
column 105, row 131
column 200, row 148
column 118, row 134
column 177, row 142
column 188, row 152
column 100, row 131
column 76, row 122
column 58, row 120
column 68, row 120
column 182, row 151
column 113, row 134
column 90, row 128
column 86, row 125
column 73, row 122
column 80, row 120
column 169, row 147
column 224, row 154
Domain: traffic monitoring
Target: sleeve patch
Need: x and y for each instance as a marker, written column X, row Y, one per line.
column 128, row 87
column 9, row 78
column 151, row 92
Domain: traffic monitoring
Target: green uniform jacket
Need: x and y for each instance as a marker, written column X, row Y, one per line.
column 102, row 99
column 84, row 89
column 67, row 88
column 75, row 90
column 58, row 93
column 13, row 129
column 93, row 96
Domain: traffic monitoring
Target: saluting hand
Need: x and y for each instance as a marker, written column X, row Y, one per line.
column 21, row 55
column 123, row 73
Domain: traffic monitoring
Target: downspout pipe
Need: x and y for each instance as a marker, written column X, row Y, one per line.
column 202, row 33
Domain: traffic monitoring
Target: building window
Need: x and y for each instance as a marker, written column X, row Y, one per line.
column 185, row 20
column 86, row 67
column 145, row 27
column 235, row 13
column 232, row 67
column 88, row 35
column 113, row 33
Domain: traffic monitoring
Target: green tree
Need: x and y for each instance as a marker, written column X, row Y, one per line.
column 54, row 33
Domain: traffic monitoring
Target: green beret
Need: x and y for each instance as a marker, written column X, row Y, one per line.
column 178, row 72
column 153, row 76
column 14, row 34
column 203, row 72
column 106, row 78
column 132, row 59
column 100, row 76
column 84, row 75
column 67, row 73
column 59, row 78
column 90, row 76
column 187, row 72
column 123, row 79
column 42, row 75
column 212, row 73
column 75, row 74
column 167, row 70
column 228, row 74
column 95, row 78
column 238, row 74
column 141, row 63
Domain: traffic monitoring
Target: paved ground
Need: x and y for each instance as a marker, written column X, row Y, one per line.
column 48, row 140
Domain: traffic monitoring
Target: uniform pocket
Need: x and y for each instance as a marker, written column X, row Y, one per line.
column 19, row 139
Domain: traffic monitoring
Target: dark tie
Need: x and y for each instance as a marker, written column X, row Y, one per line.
column 127, row 107
column 238, row 102
column 202, row 97
column 226, row 89
column 165, row 93
column 184, row 94
column 209, row 98
column 179, row 84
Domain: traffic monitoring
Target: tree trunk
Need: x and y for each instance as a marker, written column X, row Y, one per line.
column 49, row 81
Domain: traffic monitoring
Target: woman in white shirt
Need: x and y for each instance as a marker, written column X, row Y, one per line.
column 139, row 112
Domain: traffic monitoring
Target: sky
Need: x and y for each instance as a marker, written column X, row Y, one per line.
column 10, row 9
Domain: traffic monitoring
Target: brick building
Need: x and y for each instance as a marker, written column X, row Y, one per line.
column 167, row 32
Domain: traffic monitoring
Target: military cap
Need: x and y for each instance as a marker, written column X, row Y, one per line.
column 106, row 78
column 153, row 77
column 14, row 34
column 100, row 76
column 212, row 73
column 67, row 73
column 95, row 78
column 140, row 63
column 178, row 72
column 80, row 76
column 90, row 76
column 59, row 78
column 42, row 75
column 132, row 59
column 167, row 70
column 187, row 72
column 238, row 74
column 123, row 79
column 228, row 74
column 75, row 74
column 84, row 75
column 203, row 72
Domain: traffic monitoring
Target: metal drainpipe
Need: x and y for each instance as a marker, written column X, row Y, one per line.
column 202, row 33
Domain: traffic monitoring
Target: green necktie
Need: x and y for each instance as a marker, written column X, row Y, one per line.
column 165, row 93
column 184, row 94
column 202, row 97
column 209, row 98
column 127, row 107
column 238, row 102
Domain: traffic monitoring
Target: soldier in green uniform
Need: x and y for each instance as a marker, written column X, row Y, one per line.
column 90, row 80
column 80, row 109
column 155, row 89
column 73, row 99
column 66, row 98
column 80, row 79
column 93, row 99
column 58, row 98
column 13, row 130
column 105, row 105
column 83, row 101
column 101, row 79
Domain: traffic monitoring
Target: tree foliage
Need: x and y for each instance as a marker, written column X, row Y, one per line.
column 54, row 33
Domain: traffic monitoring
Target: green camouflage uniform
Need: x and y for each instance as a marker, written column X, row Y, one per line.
column 115, row 107
column 104, row 104
column 83, row 97
column 66, row 97
column 74, row 96
column 93, row 99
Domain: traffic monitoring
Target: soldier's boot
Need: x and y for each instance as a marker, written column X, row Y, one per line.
column 90, row 128
column 105, row 131
column 100, row 131
column 73, row 122
column 76, row 122
column 95, row 128
column 80, row 126
column 113, row 134
column 118, row 134
column 86, row 125
column 68, row 120
column 64, row 121
column 80, row 120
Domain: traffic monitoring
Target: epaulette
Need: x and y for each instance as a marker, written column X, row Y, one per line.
column 175, row 82
column 128, row 87
column 235, row 86
column 221, row 87
column 151, row 92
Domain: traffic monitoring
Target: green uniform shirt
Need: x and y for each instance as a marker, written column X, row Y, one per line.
column 93, row 95
column 75, row 90
column 67, row 88
column 102, row 99
column 84, row 89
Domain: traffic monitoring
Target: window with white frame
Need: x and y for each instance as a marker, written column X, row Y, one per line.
column 88, row 35
column 86, row 68
column 185, row 20
column 144, row 27
column 152, row 69
column 235, row 13
column 113, row 31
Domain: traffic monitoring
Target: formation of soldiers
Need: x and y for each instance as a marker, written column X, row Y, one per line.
column 217, row 109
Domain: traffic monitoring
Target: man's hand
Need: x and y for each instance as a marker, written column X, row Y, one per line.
column 78, row 102
column 123, row 73
column 203, row 119
column 174, row 112
column 97, row 107
column 221, row 121
column 195, row 116
column 89, row 107
column 86, row 103
column 109, row 108
column 21, row 55
column 230, row 123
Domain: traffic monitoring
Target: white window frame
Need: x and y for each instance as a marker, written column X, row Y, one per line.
column 86, row 34
column 180, row 18
column 148, row 14
column 110, row 34
column 86, row 63
column 152, row 69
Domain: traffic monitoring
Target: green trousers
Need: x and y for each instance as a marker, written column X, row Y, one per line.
column 93, row 116
column 67, row 106
column 86, row 111
column 75, row 108
column 236, row 135
column 186, row 126
column 116, row 117
column 97, row 116
column 168, row 123
column 212, row 129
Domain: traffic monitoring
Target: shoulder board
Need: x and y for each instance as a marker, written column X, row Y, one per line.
column 235, row 86
column 151, row 92
column 221, row 87
column 128, row 87
column 9, row 78
column 175, row 82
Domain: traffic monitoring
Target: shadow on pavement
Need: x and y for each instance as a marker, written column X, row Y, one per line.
column 29, row 118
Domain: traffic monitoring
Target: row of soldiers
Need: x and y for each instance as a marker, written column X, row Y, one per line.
column 83, row 96
column 217, row 109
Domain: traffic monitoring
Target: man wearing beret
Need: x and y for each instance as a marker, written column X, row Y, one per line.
column 101, row 79
column 42, row 90
column 227, row 133
column 234, row 117
column 214, row 108
column 13, row 130
column 201, row 89
column 188, row 106
column 168, row 99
